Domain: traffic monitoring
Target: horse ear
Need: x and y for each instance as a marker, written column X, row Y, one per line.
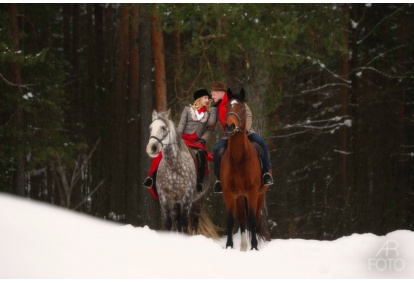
column 229, row 93
column 242, row 94
column 168, row 114
column 154, row 115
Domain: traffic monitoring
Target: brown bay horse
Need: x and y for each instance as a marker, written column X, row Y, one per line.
column 241, row 173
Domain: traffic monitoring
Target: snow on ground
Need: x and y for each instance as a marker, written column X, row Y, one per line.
column 41, row 241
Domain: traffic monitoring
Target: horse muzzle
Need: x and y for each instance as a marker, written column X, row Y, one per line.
column 230, row 130
column 153, row 149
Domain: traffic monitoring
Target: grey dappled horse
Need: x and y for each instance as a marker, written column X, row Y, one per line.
column 176, row 175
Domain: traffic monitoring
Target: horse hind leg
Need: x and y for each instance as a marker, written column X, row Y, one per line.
column 185, row 212
column 262, row 233
column 195, row 216
column 252, row 227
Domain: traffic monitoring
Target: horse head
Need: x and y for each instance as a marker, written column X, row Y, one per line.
column 236, row 113
column 160, row 130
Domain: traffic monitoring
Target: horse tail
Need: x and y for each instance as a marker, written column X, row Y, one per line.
column 262, row 225
column 206, row 226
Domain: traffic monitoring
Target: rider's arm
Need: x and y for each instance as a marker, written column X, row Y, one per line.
column 249, row 119
column 183, row 121
column 211, row 124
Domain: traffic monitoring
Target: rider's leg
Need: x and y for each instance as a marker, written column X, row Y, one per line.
column 267, row 179
column 202, row 162
column 150, row 179
column 219, row 145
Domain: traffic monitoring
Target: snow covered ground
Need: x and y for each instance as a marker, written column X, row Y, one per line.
column 41, row 241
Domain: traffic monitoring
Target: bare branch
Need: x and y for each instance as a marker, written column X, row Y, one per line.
column 12, row 84
column 389, row 16
column 86, row 198
column 212, row 36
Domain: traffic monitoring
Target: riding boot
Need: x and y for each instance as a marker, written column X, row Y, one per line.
column 202, row 162
column 267, row 179
column 148, row 182
column 217, row 187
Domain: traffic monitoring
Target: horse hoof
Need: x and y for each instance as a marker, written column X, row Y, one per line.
column 254, row 248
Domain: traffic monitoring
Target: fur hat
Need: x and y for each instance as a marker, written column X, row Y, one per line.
column 218, row 87
column 200, row 93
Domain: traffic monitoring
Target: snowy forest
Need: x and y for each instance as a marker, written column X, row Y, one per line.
column 330, row 87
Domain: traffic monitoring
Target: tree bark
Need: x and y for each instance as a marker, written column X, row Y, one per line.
column 149, row 212
column 159, row 61
column 18, row 123
column 67, row 15
column 132, row 162
column 118, row 191
column 178, row 58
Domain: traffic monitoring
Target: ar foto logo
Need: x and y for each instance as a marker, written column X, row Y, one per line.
column 387, row 258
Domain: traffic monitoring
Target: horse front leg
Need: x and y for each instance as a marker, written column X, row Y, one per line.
column 166, row 216
column 231, row 210
column 176, row 216
column 241, row 217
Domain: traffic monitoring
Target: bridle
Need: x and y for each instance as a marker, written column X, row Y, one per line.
column 239, row 119
column 163, row 137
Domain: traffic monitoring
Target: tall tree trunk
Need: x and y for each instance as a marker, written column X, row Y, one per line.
column 132, row 161
column 178, row 58
column 343, row 197
column 118, row 190
column 149, row 213
column 18, row 112
column 67, row 16
column 344, row 96
column 99, row 42
column 350, row 210
column 256, row 96
column 91, row 99
column 105, row 44
column 159, row 61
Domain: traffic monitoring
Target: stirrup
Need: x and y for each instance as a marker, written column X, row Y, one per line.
column 267, row 179
column 199, row 187
column 217, row 187
column 148, row 182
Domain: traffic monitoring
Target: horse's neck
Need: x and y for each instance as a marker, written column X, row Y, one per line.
column 172, row 151
column 237, row 146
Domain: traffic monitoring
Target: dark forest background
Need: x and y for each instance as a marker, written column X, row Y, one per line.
column 330, row 87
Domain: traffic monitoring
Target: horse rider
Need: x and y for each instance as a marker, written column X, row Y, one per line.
column 195, row 127
column 219, row 94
